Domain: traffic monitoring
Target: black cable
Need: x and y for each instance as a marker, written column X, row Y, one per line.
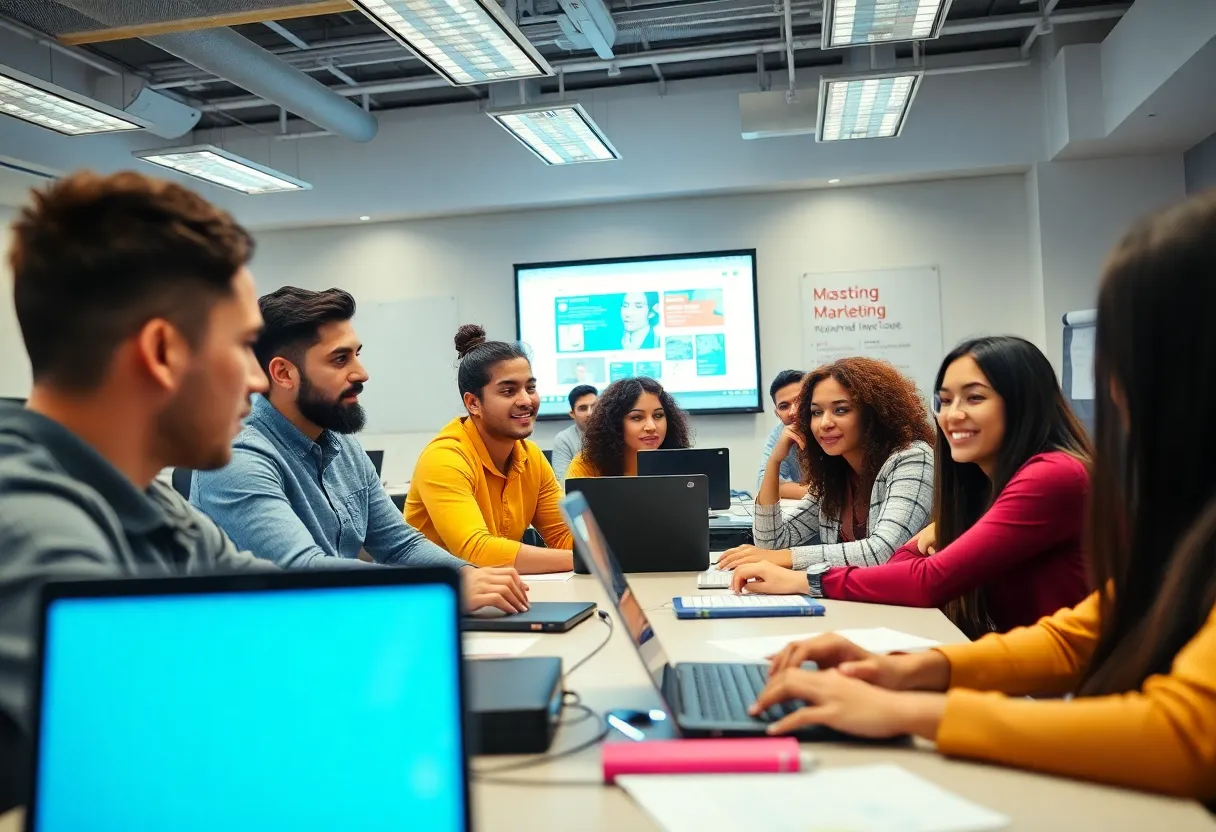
column 541, row 759
column 607, row 619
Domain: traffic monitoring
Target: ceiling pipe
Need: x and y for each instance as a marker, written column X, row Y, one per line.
column 791, row 95
column 224, row 53
column 667, row 56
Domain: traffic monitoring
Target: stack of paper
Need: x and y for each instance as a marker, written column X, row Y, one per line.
column 877, row 798
column 482, row 646
column 874, row 639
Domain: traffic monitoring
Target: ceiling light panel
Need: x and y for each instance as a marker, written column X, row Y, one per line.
column 465, row 41
column 860, row 22
column 55, row 112
column 560, row 134
column 219, row 167
column 865, row 107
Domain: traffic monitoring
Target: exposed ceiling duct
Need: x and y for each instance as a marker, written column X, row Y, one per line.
column 228, row 55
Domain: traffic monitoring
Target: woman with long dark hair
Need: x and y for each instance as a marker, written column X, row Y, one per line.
column 1139, row 654
column 863, row 441
column 631, row 415
column 1011, row 483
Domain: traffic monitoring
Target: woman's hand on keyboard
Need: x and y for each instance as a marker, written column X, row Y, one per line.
column 752, row 554
column 768, row 579
column 918, row 671
column 850, row 705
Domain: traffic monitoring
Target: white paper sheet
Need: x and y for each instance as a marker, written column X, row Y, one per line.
column 485, row 645
column 554, row 577
column 876, row 798
column 1081, row 355
column 874, row 639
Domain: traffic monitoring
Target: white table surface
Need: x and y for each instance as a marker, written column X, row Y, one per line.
column 615, row 679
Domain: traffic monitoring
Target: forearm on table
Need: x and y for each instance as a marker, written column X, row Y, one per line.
column 534, row 560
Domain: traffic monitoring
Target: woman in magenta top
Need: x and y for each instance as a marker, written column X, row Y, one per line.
column 1010, row 492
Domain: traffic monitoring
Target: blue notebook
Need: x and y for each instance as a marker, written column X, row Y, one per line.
column 745, row 606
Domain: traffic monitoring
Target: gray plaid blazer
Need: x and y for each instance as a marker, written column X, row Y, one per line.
column 901, row 503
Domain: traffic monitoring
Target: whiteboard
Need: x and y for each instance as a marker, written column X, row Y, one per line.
column 892, row 315
column 411, row 364
column 1080, row 331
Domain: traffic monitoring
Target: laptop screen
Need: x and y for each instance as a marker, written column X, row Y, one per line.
column 595, row 551
column 318, row 708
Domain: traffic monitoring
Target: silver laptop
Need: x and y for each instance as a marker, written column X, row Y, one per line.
column 704, row 699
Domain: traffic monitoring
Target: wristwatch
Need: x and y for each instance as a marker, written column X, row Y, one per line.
column 814, row 578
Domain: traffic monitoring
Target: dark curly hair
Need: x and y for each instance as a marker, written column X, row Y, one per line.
column 604, row 439
column 893, row 416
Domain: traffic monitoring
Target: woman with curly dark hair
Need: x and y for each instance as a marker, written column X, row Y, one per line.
column 631, row 415
column 1011, row 486
column 869, row 472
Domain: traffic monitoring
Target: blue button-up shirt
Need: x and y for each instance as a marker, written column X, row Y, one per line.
column 302, row 503
column 791, row 467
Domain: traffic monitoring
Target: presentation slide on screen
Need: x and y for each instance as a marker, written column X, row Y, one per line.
column 688, row 322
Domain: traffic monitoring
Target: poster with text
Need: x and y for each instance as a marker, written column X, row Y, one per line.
column 893, row 315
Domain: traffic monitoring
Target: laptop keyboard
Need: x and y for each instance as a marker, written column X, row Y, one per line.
column 723, row 692
column 747, row 601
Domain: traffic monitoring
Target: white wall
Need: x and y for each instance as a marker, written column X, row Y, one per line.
column 1201, row 166
column 14, row 366
column 975, row 230
column 1083, row 208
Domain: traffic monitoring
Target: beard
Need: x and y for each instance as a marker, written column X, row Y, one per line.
column 331, row 414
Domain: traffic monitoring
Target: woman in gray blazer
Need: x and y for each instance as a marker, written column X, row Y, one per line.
column 865, row 443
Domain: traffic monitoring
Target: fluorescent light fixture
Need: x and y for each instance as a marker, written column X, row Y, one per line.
column 364, row 218
column 833, row 181
column 560, row 134
column 219, row 167
column 465, row 41
column 21, row 96
column 861, row 22
column 866, row 106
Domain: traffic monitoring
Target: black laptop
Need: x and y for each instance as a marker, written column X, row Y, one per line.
column 656, row 524
column 714, row 463
column 174, row 703
column 704, row 699
column 541, row 617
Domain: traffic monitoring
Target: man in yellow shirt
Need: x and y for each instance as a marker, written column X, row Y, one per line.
column 480, row 484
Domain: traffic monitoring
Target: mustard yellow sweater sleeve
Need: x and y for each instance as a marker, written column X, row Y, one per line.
column 580, row 469
column 1161, row 738
column 1046, row 659
column 445, row 483
column 548, row 518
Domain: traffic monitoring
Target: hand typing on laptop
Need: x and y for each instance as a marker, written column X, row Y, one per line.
column 498, row 587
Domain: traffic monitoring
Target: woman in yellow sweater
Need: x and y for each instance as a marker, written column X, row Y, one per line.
column 1139, row 658
column 631, row 415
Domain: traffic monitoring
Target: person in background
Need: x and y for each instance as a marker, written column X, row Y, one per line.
column 1010, row 488
column 569, row 441
column 870, row 468
column 1138, row 656
column 632, row 415
column 300, row 490
column 480, row 483
column 139, row 316
column 784, row 392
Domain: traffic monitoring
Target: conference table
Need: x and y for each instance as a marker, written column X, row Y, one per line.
column 565, row 795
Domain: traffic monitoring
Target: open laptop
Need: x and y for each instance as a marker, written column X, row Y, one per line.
column 377, row 458
column 657, row 524
column 705, row 699
column 714, row 463
column 297, row 700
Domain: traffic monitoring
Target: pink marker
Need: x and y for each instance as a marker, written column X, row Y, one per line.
column 762, row 755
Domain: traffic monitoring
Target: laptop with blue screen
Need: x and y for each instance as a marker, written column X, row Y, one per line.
column 297, row 700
